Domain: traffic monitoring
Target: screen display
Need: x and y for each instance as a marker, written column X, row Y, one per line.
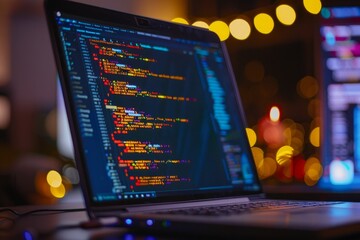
column 157, row 115
column 340, row 57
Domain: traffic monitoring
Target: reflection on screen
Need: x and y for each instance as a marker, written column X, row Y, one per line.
column 63, row 140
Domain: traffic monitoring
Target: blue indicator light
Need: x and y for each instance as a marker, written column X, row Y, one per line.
column 166, row 223
column 149, row 222
column 27, row 235
column 128, row 221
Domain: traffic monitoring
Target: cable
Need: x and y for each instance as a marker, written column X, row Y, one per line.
column 7, row 222
column 33, row 234
column 41, row 211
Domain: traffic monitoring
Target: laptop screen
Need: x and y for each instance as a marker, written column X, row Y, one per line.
column 340, row 69
column 156, row 114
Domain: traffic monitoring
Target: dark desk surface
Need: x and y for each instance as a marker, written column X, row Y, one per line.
column 52, row 225
column 65, row 225
column 62, row 226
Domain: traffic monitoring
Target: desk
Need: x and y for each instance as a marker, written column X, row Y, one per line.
column 49, row 226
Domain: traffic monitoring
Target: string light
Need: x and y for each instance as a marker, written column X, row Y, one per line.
column 180, row 20
column 240, row 29
column 312, row 6
column 221, row 29
column 264, row 23
column 201, row 24
column 285, row 14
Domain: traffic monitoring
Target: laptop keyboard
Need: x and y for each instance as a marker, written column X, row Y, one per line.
column 233, row 209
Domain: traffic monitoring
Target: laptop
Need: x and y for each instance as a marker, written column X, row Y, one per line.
column 159, row 131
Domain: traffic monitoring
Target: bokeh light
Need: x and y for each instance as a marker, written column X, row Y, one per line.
column 313, row 171
column 180, row 20
column 251, row 136
column 325, row 13
column 312, row 6
column 269, row 167
column 274, row 114
column 308, row 87
column 294, row 135
column 286, row 14
column 240, row 29
column 201, row 24
column 284, row 155
column 264, row 23
column 315, row 137
column 53, row 178
column 58, row 192
column 71, row 173
column 299, row 169
column 258, row 155
column 221, row 29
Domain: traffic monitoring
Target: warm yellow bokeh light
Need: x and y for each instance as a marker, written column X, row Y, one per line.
column 53, row 178
column 180, row 20
column 251, row 136
column 201, row 24
column 58, row 192
column 274, row 114
column 313, row 163
column 270, row 166
column 294, row 135
column 308, row 87
column 267, row 168
column 312, row 6
column 284, row 155
column 286, row 14
column 258, row 155
column 221, row 29
column 315, row 137
column 313, row 171
column 264, row 23
column 240, row 29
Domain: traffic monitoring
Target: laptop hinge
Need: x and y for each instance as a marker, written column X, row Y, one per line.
column 188, row 204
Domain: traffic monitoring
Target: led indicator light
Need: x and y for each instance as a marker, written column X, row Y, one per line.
column 27, row 235
column 149, row 222
column 128, row 221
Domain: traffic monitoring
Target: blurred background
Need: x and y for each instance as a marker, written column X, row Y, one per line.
column 276, row 50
